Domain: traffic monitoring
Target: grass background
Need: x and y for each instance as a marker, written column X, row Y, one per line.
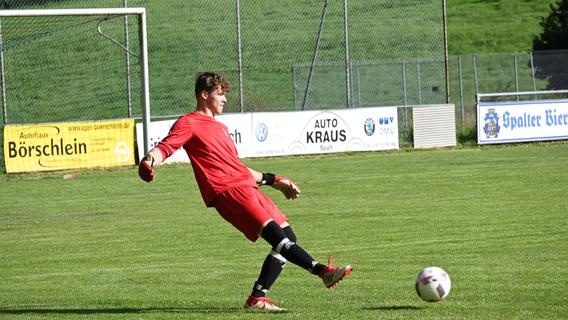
column 108, row 246
column 85, row 79
column 494, row 26
column 61, row 80
column 104, row 246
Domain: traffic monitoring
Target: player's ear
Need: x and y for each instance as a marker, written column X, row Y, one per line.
column 204, row 94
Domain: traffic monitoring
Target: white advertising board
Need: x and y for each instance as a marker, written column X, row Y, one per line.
column 157, row 131
column 311, row 132
column 295, row 133
column 522, row 121
column 238, row 124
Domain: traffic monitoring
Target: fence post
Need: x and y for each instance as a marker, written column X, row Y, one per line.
column 294, row 87
column 516, row 75
column 474, row 58
column 145, row 79
column 405, row 96
column 532, row 73
column 3, row 78
column 315, row 55
column 460, row 79
column 419, row 82
column 240, row 56
column 404, row 82
column 358, row 86
column 127, row 59
column 347, row 60
column 446, row 58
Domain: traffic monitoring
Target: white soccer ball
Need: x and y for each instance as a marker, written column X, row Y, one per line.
column 433, row 284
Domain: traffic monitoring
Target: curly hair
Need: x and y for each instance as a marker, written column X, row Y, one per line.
column 210, row 81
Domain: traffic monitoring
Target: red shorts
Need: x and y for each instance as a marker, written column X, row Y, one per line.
column 247, row 208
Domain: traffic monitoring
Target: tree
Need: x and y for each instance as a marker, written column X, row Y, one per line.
column 550, row 63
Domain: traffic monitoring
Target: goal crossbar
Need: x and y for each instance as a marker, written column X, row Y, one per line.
column 71, row 12
column 143, row 36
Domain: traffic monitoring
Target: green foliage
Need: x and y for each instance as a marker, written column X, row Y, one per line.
column 109, row 246
column 553, row 37
column 476, row 27
column 555, row 29
column 467, row 135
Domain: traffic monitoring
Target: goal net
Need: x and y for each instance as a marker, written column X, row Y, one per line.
column 82, row 67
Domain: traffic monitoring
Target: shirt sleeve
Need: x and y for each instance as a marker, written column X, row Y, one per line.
column 179, row 134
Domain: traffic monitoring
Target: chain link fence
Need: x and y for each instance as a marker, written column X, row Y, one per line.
column 274, row 54
column 504, row 72
column 279, row 56
column 292, row 55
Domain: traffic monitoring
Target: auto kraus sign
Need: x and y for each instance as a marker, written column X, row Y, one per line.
column 325, row 132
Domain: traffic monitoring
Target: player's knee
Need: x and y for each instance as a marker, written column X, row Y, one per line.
column 278, row 257
column 276, row 237
column 289, row 233
column 285, row 244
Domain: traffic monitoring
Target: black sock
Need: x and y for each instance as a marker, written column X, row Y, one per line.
column 290, row 250
column 299, row 257
column 318, row 268
column 271, row 269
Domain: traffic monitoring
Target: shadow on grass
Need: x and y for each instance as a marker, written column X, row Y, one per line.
column 392, row 308
column 119, row 310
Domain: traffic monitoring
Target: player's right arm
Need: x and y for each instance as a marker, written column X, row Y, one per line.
column 146, row 167
column 179, row 134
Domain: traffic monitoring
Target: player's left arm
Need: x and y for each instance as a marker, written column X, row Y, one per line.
column 288, row 187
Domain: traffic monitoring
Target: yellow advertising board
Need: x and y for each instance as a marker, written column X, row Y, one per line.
column 71, row 145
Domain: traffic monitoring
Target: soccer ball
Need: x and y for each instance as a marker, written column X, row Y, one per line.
column 433, row 284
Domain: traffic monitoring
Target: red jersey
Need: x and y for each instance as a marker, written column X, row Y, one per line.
column 212, row 152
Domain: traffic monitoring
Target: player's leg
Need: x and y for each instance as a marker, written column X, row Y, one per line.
column 281, row 244
column 254, row 214
column 271, row 268
column 280, row 240
column 283, row 240
column 241, row 207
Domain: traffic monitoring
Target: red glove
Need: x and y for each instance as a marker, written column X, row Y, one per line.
column 288, row 187
column 145, row 171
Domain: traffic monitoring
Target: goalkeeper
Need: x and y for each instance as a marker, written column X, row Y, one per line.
column 228, row 185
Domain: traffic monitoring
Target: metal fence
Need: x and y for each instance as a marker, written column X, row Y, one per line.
column 274, row 54
column 288, row 55
column 504, row 72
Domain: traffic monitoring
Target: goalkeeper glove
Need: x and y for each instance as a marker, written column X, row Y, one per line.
column 145, row 171
column 288, row 187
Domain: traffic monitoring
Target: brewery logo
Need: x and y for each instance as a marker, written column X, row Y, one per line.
column 491, row 127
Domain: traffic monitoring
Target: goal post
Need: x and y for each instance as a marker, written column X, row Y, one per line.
column 66, row 88
column 108, row 12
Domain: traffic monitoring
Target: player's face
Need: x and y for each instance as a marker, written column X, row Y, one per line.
column 215, row 101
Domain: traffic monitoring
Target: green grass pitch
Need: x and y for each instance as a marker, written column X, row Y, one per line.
column 108, row 246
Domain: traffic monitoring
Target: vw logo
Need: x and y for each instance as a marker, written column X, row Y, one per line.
column 261, row 132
